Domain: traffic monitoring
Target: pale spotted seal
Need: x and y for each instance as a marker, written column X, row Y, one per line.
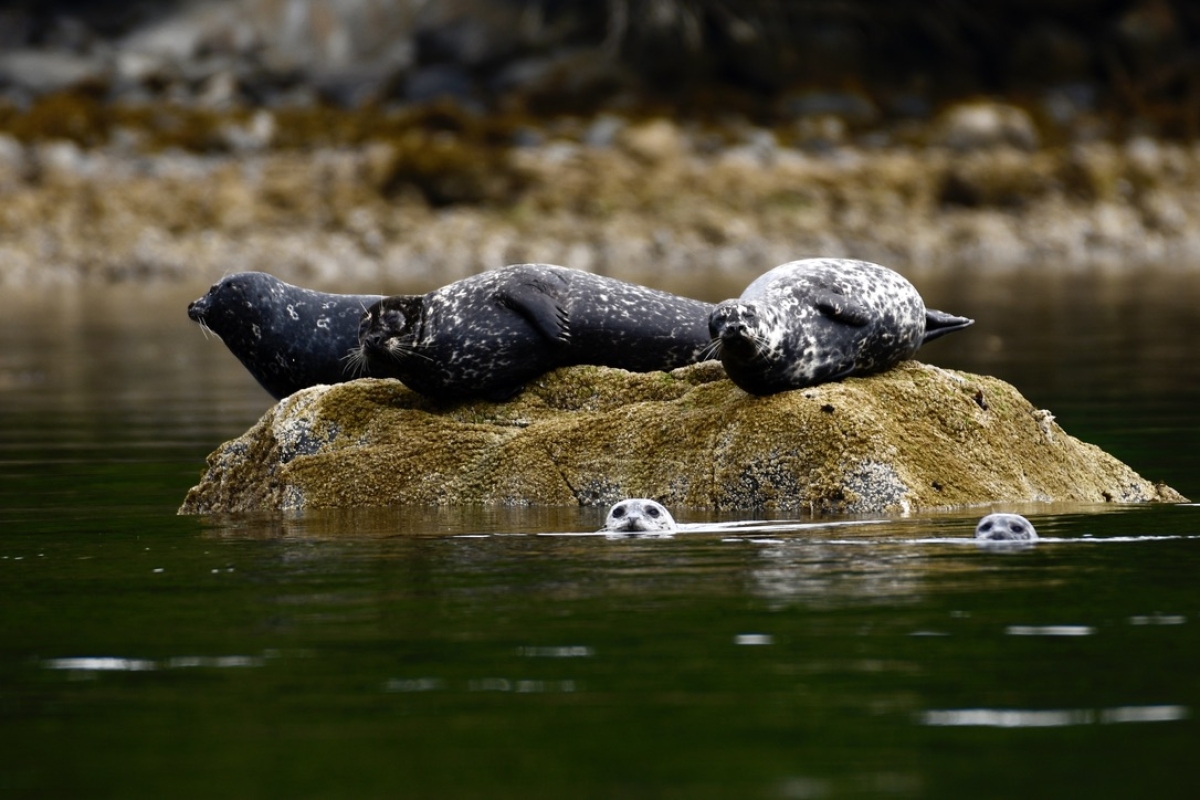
column 489, row 334
column 1005, row 528
column 289, row 338
column 637, row 514
column 819, row 320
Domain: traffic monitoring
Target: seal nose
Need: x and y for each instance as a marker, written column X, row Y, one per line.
column 372, row 340
column 733, row 328
column 196, row 310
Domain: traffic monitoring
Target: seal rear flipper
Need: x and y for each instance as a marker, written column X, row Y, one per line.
column 939, row 323
column 840, row 308
column 542, row 311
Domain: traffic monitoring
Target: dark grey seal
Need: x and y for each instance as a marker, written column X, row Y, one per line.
column 636, row 515
column 488, row 335
column 1005, row 528
column 289, row 338
column 820, row 320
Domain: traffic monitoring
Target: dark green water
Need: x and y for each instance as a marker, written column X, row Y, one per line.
column 473, row 653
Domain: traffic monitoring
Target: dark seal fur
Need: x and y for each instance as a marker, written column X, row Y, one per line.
column 819, row 320
column 488, row 335
column 289, row 338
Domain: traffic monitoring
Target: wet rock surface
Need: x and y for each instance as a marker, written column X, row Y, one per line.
column 917, row 437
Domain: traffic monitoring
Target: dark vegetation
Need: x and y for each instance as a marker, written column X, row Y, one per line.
column 870, row 62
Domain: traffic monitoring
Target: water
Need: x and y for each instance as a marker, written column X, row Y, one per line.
column 484, row 652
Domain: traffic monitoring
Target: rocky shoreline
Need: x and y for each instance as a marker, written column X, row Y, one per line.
column 387, row 142
column 628, row 198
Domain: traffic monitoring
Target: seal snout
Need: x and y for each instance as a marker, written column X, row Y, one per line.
column 198, row 309
column 729, row 321
column 733, row 328
column 372, row 340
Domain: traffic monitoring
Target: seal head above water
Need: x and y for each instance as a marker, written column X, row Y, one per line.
column 820, row 320
column 637, row 515
column 1005, row 528
column 489, row 334
column 289, row 338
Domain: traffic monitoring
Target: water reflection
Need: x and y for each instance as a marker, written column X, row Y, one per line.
column 1049, row 630
column 1013, row 718
column 88, row 664
column 147, row 653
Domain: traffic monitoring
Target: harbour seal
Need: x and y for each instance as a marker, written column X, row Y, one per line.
column 289, row 338
column 637, row 514
column 489, row 334
column 1005, row 528
column 820, row 320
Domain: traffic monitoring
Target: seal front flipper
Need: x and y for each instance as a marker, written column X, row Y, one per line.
column 840, row 308
column 939, row 323
column 542, row 310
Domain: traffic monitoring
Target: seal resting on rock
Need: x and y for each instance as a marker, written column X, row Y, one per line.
column 636, row 515
column 289, row 338
column 489, row 334
column 820, row 320
column 1005, row 528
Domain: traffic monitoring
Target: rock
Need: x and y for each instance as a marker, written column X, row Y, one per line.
column 655, row 141
column 916, row 437
column 983, row 124
column 48, row 71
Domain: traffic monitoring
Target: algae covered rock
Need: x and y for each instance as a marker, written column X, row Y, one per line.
column 912, row 438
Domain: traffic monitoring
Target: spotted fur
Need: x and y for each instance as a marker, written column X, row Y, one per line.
column 1005, row 528
column 289, row 338
column 490, row 334
column 819, row 320
column 638, row 514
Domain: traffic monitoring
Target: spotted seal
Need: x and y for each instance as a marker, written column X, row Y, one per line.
column 1005, row 528
column 288, row 337
column 819, row 320
column 637, row 514
column 489, row 334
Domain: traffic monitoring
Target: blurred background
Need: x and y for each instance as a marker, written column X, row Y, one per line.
column 381, row 142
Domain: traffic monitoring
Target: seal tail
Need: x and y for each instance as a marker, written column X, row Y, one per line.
column 939, row 323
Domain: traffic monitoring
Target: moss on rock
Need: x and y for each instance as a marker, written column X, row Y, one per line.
column 913, row 438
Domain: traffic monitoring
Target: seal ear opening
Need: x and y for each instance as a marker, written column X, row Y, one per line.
column 939, row 323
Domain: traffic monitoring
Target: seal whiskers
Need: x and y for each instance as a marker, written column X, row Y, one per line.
column 289, row 338
column 713, row 350
column 207, row 332
column 356, row 363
